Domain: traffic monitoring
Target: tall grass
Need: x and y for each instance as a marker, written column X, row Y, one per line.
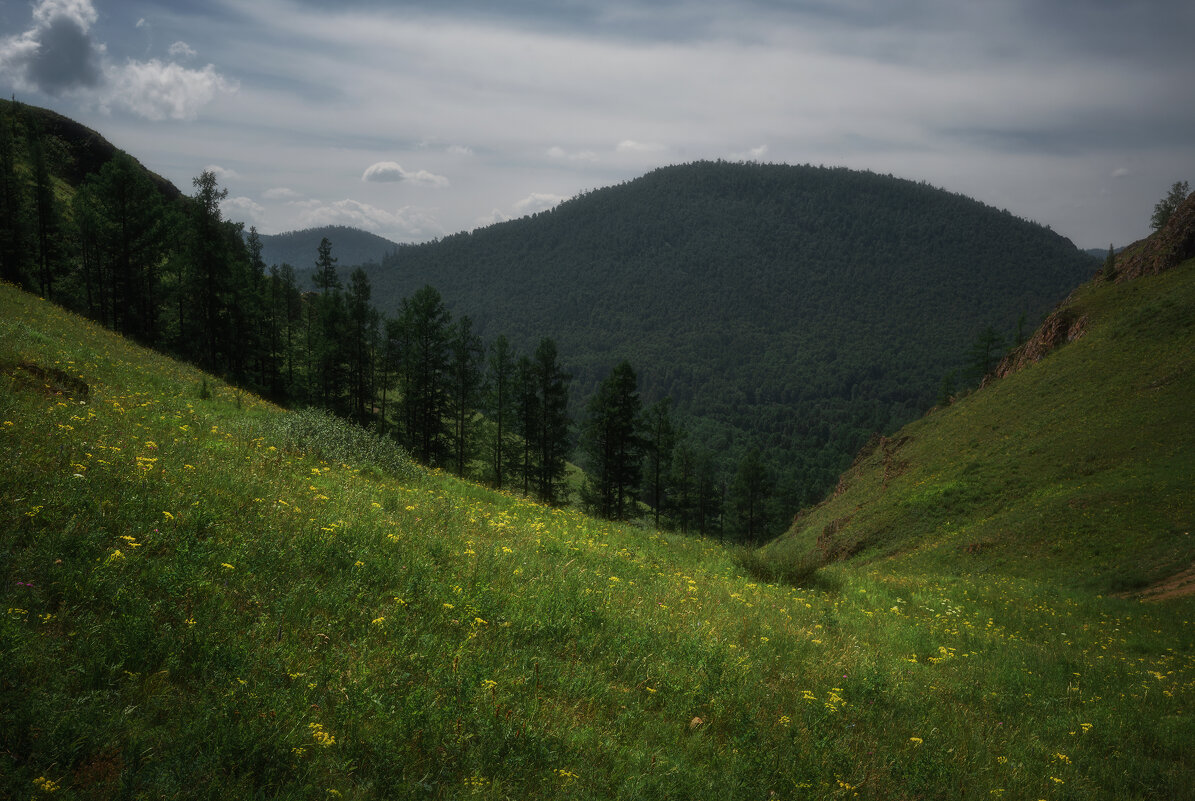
column 205, row 601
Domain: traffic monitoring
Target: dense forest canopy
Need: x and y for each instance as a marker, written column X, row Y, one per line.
column 794, row 309
column 784, row 313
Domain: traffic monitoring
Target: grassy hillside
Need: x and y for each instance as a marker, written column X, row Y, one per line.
column 796, row 309
column 206, row 597
column 1077, row 468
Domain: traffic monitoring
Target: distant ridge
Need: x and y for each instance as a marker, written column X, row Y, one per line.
column 795, row 309
column 350, row 246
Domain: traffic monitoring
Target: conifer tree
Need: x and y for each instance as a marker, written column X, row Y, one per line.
column 500, row 385
column 750, row 493
column 553, row 429
column 611, row 440
column 466, row 354
column 527, row 415
column 659, row 440
column 425, row 375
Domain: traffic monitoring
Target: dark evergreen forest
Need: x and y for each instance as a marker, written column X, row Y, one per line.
column 790, row 310
column 712, row 343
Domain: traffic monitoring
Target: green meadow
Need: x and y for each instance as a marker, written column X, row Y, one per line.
column 205, row 596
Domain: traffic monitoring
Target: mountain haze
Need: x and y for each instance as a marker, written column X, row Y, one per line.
column 352, row 247
column 793, row 308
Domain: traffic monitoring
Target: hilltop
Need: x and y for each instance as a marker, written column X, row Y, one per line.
column 796, row 309
column 352, row 247
column 1075, row 463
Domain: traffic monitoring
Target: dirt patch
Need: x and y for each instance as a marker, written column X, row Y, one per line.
column 50, row 381
column 831, row 547
column 1180, row 585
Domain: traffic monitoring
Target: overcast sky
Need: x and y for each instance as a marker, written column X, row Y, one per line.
column 419, row 119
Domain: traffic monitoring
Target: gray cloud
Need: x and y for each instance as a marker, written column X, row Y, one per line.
column 389, row 171
column 56, row 55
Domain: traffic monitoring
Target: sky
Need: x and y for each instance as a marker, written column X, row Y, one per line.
column 419, row 119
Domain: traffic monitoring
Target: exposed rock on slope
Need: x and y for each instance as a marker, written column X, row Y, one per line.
column 1172, row 245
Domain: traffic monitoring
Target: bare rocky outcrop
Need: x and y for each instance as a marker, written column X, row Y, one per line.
column 1173, row 244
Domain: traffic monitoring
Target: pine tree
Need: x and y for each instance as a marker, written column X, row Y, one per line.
column 466, row 355
column 527, row 415
column 500, row 385
column 363, row 334
column 659, row 439
column 13, row 249
column 610, row 438
column 553, row 429
column 750, row 493
column 425, row 375
column 324, row 277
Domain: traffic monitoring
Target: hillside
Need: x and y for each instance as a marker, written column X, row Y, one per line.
column 73, row 150
column 1075, row 465
column 796, row 309
column 351, row 247
column 206, row 597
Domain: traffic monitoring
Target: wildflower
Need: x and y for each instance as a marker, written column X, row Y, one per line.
column 489, row 684
column 168, row 515
column 377, row 621
column 46, row 785
column 226, row 565
column 917, row 741
column 324, row 738
column 1057, row 780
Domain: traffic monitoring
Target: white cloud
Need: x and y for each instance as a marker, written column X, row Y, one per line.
column 388, row 171
column 538, row 201
column 181, row 49
column 754, row 154
column 223, row 173
column 459, row 150
column 407, row 222
column 159, row 90
column 631, row 146
column 280, row 193
column 559, row 153
column 58, row 56
column 244, row 209
column 80, row 11
column 1121, row 172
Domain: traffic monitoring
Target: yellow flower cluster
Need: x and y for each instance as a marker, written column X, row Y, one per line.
column 320, row 735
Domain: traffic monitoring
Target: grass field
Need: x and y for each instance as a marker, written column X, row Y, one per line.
column 207, row 597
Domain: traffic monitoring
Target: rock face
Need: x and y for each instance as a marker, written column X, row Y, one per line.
column 1173, row 244
column 1059, row 328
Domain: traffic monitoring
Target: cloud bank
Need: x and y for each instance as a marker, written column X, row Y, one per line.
column 58, row 56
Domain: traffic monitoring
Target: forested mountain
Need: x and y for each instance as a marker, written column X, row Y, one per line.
column 786, row 313
column 1074, row 464
column 795, row 309
column 297, row 248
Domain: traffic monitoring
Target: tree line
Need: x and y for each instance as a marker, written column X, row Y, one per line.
column 177, row 275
